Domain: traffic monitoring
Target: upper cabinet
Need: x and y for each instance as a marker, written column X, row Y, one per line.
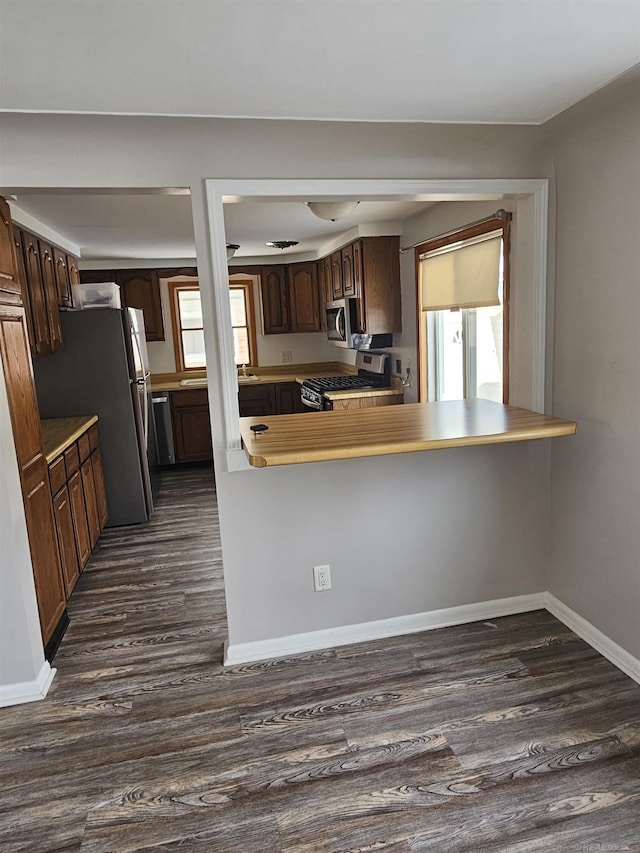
column 304, row 297
column 45, row 251
column 63, row 285
column 275, row 300
column 379, row 309
column 290, row 299
column 141, row 289
column 9, row 281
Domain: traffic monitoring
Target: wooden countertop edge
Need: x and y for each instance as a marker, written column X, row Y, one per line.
column 394, row 429
column 382, row 449
column 349, row 395
column 78, row 426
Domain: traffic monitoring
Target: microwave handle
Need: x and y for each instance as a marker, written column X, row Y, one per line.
column 340, row 324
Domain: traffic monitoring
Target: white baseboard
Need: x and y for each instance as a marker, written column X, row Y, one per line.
column 295, row 644
column 28, row 691
column 599, row 641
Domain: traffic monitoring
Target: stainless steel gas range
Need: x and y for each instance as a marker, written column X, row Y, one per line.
column 373, row 372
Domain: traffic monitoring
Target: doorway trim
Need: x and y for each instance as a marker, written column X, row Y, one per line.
column 218, row 329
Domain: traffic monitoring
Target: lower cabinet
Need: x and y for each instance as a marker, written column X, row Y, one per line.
column 76, row 479
column 369, row 401
column 191, row 426
column 270, row 398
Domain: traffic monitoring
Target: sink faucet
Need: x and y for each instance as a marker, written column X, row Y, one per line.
column 244, row 369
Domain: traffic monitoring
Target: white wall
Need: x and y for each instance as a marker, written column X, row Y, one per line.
column 449, row 527
column 595, row 484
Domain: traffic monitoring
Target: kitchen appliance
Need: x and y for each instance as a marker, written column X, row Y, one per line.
column 341, row 318
column 103, row 369
column 164, row 427
column 374, row 371
column 341, row 322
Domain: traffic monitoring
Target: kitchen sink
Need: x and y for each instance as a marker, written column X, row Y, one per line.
column 201, row 382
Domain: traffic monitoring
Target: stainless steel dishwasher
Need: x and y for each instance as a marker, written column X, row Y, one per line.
column 164, row 428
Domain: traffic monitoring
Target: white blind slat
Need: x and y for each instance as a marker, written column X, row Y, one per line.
column 462, row 276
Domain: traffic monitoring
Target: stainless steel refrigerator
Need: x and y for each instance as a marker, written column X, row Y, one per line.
column 103, row 369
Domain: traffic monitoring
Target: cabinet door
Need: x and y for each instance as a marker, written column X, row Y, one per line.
column 336, row 275
column 348, row 283
column 73, row 272
column 66, row 539
column 359, row 290
column 274, row 299
column 288, row 398
column 192, row 434
column 303, row 297
column 98, row 482
column 26, row 298
column 34, row 476
column 50, row 294
column 256, row 400
column 9, row 281
column 89, row 489
column 35, row 286
column 381, row 285
column 79, row 515
column 328, row 279
column 141, row 289
column 63, row 285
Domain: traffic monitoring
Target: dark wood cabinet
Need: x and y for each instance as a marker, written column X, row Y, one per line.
column 257, row 400
column 63, row 284
column 270, row 398
column 379, row 302
column 9, row 281
column 288, row 398
column 328, row 279
column 141, row 289
column 336, row 275
column 98, row 480
column 304, row 298
column 47, row 268
column 26, row 296
column 73, row 273
column 191, row 426
column 79, row 515
column 35, row 285
column 348, row 280
column 66, row 539
column 36, row 494
column 274, row 298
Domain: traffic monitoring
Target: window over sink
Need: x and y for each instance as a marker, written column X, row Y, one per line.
column 188, row 331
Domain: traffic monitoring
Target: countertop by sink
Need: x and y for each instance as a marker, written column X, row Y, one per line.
column 288, row 373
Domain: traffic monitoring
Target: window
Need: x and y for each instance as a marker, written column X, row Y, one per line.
column 242, row 320
column 188, row 333
column 463, row 318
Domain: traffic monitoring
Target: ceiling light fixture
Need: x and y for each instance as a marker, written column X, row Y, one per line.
column 332, row 210
column 232, row 248
column 281, row 244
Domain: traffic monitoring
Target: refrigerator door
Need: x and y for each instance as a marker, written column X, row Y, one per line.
column 141, row 394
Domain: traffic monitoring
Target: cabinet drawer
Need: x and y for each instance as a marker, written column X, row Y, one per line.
column 84, row 447
column 93, row 437
column 71, row 460
column 186, row 399
column 57, row 475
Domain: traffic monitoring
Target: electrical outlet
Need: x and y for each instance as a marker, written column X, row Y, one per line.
column 286, row 356
column 321, row 578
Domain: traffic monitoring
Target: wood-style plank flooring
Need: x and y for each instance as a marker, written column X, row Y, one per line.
column 507, row 735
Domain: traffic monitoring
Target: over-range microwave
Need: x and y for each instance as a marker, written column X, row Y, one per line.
column 341, row 320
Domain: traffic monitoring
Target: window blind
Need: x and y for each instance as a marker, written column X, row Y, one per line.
column 462, row 275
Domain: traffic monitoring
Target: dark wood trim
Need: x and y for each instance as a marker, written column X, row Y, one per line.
column 58, row 633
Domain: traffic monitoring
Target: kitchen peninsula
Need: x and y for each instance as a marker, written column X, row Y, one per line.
column 323, row 436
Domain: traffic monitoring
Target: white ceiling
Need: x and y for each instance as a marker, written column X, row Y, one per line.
column 121, row 227
column 514, row 61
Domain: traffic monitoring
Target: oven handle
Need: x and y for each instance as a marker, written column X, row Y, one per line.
column 312, row 405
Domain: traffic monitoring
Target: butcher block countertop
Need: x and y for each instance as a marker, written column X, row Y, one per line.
column 280, row 373
column 59, row 433
column 322, row 436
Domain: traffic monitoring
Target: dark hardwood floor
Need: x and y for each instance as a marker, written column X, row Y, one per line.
column 508, row 735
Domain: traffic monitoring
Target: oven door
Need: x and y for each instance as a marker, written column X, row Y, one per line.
column 311, row 399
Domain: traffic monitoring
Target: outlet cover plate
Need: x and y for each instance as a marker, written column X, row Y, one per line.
column 321, row 578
